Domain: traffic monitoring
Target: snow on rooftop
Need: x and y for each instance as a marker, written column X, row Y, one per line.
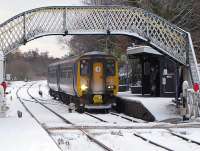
column 142, row 49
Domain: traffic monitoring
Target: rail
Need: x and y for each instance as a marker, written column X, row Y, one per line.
column 69, row 122
column 84, row 129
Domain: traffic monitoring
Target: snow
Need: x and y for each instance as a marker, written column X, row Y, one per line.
column 123, row 140
column 164, row 138
column 161, row 108
column 190, row 133
column 75, row 140
column 25, row 134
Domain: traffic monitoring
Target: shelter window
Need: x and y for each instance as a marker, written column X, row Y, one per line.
column 110, row 68
column 84, row 65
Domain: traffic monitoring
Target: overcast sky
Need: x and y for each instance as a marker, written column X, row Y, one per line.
column 9, row 8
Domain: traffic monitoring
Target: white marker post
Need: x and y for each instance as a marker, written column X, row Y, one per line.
column 3, row 107
column 2, row 102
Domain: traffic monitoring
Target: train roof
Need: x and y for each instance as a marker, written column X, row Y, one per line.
column 67, row 60
column 96, row 53
column 87, row 54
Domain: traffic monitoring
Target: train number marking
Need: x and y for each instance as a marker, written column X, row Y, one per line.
column 98, row 69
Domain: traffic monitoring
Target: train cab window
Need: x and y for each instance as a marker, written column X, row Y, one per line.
column 84, row 67
column 110, row 68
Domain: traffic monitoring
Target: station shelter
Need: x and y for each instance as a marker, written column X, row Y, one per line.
column 153, row 74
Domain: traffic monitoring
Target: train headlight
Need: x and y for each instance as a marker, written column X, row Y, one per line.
column 110, row 87
column 84, row 87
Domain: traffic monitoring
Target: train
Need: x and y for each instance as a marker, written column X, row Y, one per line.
column 89, row 81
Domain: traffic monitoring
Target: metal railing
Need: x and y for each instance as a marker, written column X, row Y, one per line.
column 71, row 20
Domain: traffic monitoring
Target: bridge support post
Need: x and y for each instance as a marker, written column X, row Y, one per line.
column 2, row 67
column 177, row 85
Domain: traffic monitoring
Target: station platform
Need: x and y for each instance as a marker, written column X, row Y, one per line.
column 159, row 107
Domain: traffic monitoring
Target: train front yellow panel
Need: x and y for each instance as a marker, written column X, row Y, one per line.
column 78, row 85
column 116, row 79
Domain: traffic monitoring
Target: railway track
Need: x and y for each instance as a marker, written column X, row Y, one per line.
column 152, row 142
column 83, row 129
column 128, row 118
column 98, row 116
column 32, row 115
column 59, row 116
column 184, row 138
column 137, row 135
column 114, row 115
column 68, row 122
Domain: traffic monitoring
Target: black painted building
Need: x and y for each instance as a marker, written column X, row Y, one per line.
column 152, row 73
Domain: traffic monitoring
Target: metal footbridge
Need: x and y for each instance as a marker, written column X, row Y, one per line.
column 79, row 20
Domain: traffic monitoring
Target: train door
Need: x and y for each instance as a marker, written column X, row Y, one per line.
column 97, row 80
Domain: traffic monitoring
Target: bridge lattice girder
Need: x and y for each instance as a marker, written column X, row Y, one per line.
column 136, row 22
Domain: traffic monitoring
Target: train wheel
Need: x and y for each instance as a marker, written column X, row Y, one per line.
column 67, row 99
column 50, row 92
column 106, row 111
column 80, row 109
column 79, row 106
column 57, row 96
column 61, row 96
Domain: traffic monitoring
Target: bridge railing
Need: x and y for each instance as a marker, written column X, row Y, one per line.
column 158, row 32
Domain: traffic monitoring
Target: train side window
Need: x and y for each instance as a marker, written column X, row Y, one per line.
column 110, row 68
column 70, row 74
column 84, row 67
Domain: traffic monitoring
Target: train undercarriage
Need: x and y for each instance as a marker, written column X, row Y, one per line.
column 86, row 102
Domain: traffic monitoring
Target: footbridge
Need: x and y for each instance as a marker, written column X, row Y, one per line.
column 167, row 38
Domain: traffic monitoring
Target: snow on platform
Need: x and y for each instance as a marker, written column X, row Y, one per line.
column 22, row 134
column 161, row 108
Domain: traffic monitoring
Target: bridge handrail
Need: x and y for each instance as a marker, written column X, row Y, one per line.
column 140, row 23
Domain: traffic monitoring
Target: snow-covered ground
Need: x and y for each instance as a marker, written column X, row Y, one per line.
column 25, row 134
column 161, row 108
column 22, row 134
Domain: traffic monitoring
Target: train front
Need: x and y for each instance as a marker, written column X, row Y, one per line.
column 98, row 80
